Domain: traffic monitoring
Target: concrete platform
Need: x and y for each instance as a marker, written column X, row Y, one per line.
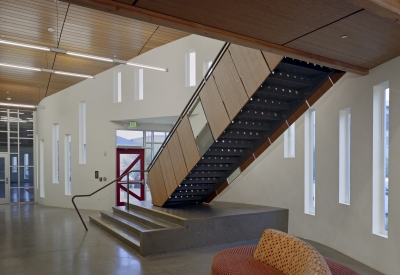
column 188, row 227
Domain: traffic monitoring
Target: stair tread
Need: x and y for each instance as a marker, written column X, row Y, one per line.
column 128, row 221
column 118, row 229
column 160, row 222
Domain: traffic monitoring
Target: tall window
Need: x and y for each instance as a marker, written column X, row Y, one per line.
column 309, row 162
column 190, row 68
column 117, row 87
column 56, row 155
column 41, row 167
column 206, row 65
column 68, row 164
column 139, row 84
column 289, row 142
column 82, row 132
column 26, row 168
column 344, row 156
column 380, row 169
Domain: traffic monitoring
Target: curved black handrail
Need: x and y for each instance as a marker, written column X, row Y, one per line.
column 191, row 101
column 108, row 184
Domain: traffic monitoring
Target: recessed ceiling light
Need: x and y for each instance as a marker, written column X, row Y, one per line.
column 8, row 98
column 343, row 36
column 50, row 29
column 8, row 92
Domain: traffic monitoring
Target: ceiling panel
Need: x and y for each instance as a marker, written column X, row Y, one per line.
column 275, row 21
column 76, row 29
column 371, row 40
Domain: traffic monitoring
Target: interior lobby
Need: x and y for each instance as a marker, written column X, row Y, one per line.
column 149, row 136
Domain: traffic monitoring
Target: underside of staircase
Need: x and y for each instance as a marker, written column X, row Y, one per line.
column 250, row 98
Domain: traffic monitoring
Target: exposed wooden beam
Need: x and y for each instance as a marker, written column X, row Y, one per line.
column 208, row 31
column 389, row 9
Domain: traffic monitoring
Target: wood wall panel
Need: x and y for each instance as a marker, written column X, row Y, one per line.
column 214, row 108
column 157, row 186
column 230, row 86
column 188, row 143
column 167, row 171
column 272, row 59
column 177, row 159
column 251, row 67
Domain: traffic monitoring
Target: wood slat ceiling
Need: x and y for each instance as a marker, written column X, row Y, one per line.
column 77, row 29
column 308, row 30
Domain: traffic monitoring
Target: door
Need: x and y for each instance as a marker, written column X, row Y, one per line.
column 130, row 159
column 4, row 179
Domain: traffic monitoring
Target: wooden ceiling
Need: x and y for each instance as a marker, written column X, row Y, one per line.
column 309, row 30
column 76, row 29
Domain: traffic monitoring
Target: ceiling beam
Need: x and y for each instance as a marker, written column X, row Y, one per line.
column 211, row 32
column 389, row 9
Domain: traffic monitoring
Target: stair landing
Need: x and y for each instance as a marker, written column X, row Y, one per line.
column 152, row 230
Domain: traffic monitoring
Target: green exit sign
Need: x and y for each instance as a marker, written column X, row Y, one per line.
column 132, row 124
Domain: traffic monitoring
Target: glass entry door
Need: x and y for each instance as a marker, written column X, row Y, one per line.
column 4, row 179
column 127, row 160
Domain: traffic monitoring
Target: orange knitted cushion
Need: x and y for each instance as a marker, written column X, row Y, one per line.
column 289, row 254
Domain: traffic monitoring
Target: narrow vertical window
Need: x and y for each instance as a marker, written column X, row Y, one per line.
column 206, row 65
column 26, row 168
column 190, row 68
column 380, row 162
column 68, row 164
column 82, row 132
column 117, row 87
column 14, row 164
column 289, row 142
column 344, row 156
column 41, row 167
column 140, row 84
column 55, row 154
column 309, row 162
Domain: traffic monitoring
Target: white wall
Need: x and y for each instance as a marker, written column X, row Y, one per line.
column 165, row 95
column 275, row 181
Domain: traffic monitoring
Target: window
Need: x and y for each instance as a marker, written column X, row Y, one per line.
column 309, row 162
column 56, row 155
column 190, row 68
column 82, row 132
column 380, row 162
column 344, row 156
column 14, row 164
column 117, row 87
column 206, row 65
column 26, row 164
column 41, row 167
column 68, row 164
column 289, row 142
column 139, row 84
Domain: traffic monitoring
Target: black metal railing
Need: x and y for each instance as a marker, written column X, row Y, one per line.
column 108, row 184
column 191, row 101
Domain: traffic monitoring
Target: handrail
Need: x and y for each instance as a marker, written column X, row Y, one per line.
column 191, row 101
column 108, row 184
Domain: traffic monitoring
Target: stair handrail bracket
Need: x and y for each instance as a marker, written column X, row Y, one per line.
column 98, row 190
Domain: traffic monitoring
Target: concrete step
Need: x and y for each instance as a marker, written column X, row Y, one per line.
column 158, row 214
column 127, row 223
column 120, row 232
column 147, row 219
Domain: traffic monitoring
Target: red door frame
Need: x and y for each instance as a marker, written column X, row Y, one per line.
column 122, row 151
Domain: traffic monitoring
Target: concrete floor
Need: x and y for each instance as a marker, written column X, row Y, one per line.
column 43, row 240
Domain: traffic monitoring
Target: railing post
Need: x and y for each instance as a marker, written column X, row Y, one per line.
column 128, row 189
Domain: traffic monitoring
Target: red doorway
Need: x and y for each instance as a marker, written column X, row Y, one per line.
column 130, row 159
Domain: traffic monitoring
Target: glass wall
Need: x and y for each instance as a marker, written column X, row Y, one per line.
column 18, row 142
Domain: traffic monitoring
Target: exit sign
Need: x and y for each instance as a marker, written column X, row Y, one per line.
column 132, row 124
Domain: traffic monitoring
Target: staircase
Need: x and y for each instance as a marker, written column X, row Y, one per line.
column 249, row 98
column 133, row 225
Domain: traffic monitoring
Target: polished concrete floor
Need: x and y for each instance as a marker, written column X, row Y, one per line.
column 44, row 240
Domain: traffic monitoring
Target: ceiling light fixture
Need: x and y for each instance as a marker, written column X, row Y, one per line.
column 20, row 105
column 24, row 45
column 147, row 67
column 343, row 36
column 90, row 56
column 19, row 67
column 45, row 70
column 8, row 98
column 50, row 29
column 61, row 51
